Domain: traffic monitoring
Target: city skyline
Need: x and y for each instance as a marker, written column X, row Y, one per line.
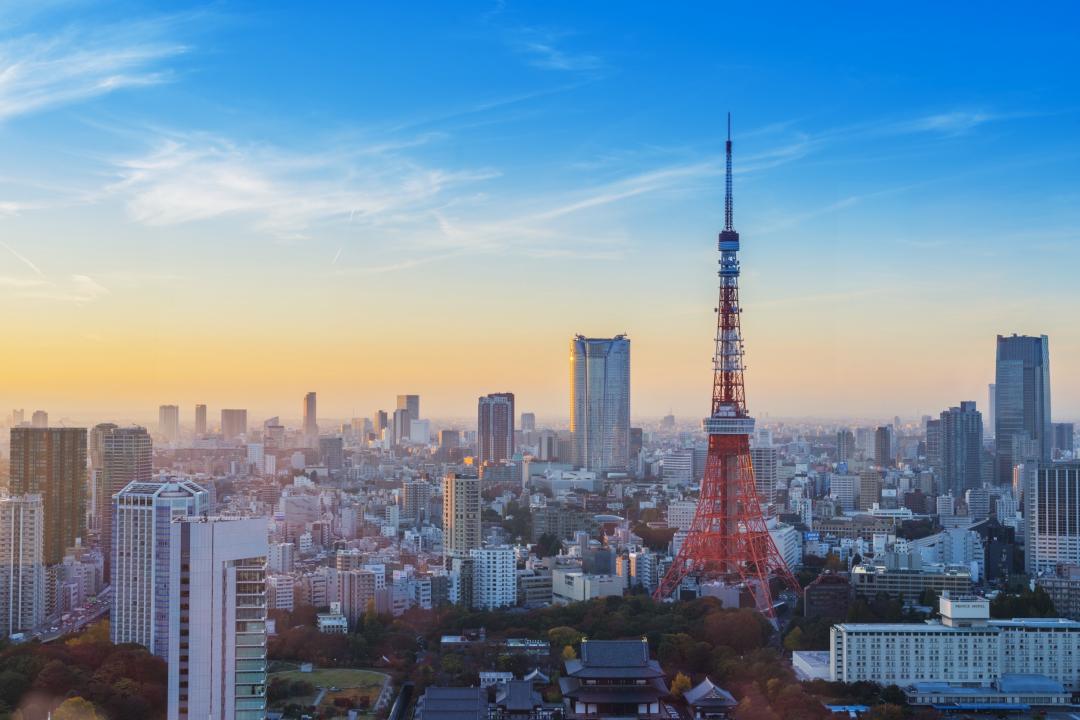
column 236, row 199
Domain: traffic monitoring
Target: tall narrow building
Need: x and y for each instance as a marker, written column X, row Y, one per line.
column 411, row 405
column 461, row 513
column 169, row 422
column 311, row 425
column 233, row 423
column 200, row 420
column 600, row 402
column 217, row 618
column 495, row 428
column 884, row 453
column 51, row 462
column 126, row 456
column 1022, row 428
column 142, row 526
column 961, row 449
column 22, row 569
column 1052, row 517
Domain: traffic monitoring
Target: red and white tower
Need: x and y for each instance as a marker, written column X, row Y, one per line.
column 728, row 539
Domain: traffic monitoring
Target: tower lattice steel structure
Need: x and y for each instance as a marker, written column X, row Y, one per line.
column 728, row 539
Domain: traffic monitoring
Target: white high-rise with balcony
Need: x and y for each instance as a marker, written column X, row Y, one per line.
column 217, row 618
column 22, row 567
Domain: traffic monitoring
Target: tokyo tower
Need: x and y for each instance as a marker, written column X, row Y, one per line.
column 728, row 539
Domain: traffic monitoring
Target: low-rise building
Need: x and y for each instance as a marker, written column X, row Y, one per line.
column 965, row 648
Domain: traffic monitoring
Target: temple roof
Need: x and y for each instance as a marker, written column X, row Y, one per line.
column 615, row 659
column 706, row 693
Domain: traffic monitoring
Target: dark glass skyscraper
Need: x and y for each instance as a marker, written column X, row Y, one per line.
column 1022, row 427
column 961, row 449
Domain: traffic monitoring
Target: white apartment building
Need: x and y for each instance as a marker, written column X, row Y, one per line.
column 573, row 585
column 282, row 558
column 965, row 649
column 494, row 578
column 142, row 516
column 217, row 619
column 22, row 568
column 680, row 514
column 281, row 592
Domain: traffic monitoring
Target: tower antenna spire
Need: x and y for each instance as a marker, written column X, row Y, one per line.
column 729, row 203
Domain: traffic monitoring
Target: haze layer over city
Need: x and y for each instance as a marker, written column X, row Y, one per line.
column 539, row 361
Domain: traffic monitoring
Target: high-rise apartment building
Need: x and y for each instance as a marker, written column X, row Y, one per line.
column 332, row 453
column 494, row 578
column 141, row 532
column 461, row 513
column 200, row 420
column 126, row 456
column 217, row 618
column 600, row 402
column 22, row 569
column 528, row 422
column 311, row 424
column 51, row 462
column 39, row 420
column 495, row 428
column 1052, row 516
column 845, row 445
column 169, row 422
column 233, row 423
column 18, row 417
column 415, row 497
column 869, row 489
column 765, row 460
column 961, row 449
column 884, row 454
column 933, row 444
column 1021, row 402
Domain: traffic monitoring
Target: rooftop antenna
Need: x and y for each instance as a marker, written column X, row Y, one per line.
column 728, row 202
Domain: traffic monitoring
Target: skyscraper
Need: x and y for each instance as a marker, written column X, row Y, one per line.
column 40, row 419
column 1022, row 402
column 461, row 513
column 992, row 415
column 233, row 423
column 845, row 445
column 411, row 404
column 495, row 428
column 22, row 569
column 1064, row 438
column 933, row 444
column 1052, row 517
column 169, row 422
column 883, row 446
column 142, row 521
column 126, row 456
column 600, row 402
column 765, row 461
column 401, row 427
column 311, row 425
column 217, row 618
column 961, row 449
column 379, row 422
column 528, row 422
column 200, row 419
column 51, row 462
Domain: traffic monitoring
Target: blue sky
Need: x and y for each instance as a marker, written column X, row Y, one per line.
column 383, row 196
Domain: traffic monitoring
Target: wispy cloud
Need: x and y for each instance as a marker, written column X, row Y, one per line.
column 74, row 289
column 947, row 123
column 21, row 258
column 194, row 177
column 38, row 72
column 543, row 47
